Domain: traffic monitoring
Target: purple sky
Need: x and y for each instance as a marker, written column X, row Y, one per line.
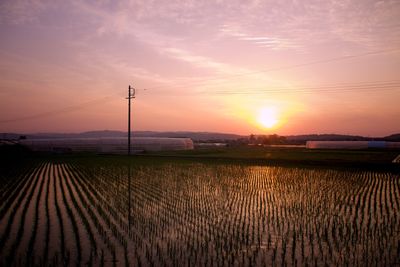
column 327, row 66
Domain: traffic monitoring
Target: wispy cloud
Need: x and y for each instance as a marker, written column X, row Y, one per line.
column 21, row 11
column 98, row 47
column 302, row 24
column 272, row 42
column 199, row 61
column 285, row 24
column 369, row 23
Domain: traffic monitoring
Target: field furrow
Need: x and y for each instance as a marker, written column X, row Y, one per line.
column 193, row 214
column 14, row 225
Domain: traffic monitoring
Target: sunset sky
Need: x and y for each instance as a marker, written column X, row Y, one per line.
column 263, row 67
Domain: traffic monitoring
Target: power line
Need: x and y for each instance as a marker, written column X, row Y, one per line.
column 343, row 87
column 392, row 85
column 309, row 91
column 287, row 67
column 85, row 104
column 60, row 111
column 335, row 88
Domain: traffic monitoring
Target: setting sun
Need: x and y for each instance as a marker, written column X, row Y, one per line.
column 267, row 117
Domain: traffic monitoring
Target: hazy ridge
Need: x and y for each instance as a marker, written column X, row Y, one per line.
column 196, row 136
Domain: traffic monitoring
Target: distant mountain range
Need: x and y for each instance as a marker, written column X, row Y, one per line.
column 339, row 137
column 197, row 136
column 106, row 133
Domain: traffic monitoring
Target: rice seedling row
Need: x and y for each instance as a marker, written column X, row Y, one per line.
column 192, row 214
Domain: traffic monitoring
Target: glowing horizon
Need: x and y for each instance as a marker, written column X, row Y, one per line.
column 314, row 67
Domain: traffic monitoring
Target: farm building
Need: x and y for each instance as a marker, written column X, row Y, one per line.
column 107, row 145
column 351, row 144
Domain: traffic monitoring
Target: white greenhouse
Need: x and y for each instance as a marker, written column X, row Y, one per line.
column 108, row 145
column 351, row 144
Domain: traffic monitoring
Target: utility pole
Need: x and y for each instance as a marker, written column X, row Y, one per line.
column 131, row 94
